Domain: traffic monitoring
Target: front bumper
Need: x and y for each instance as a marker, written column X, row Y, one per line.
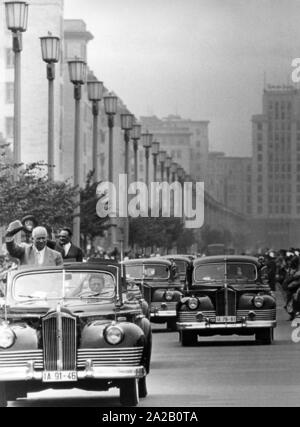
column 200, row 326
column 163, row 314
column 95, row 373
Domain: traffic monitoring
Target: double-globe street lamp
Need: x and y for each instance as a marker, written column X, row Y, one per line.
column 111, row 106
column 17, row 21
column 95, row 95
column 155, row 153
column 50, row 53
column 77, row 71
column 136, row 135
column 147, row 139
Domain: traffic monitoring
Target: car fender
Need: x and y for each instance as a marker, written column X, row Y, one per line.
column 246, row 302
column 26, row 338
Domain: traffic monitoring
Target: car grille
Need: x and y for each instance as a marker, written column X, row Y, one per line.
column 20, row 359
column 52, row 342
column 221, row 302
column 261, row 315
column 157, row 306
column 110, row 357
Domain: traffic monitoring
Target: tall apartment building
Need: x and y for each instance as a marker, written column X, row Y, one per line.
column 44, row 17
column 276, row 168
column 186, row 141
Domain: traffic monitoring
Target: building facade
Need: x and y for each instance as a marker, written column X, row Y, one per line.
column 276, row 168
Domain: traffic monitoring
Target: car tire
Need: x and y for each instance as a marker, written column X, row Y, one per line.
column 143, row 392
column 3, row 398
column 129, row 393
column 172, row 325
column 265, row 336
column 188, row 339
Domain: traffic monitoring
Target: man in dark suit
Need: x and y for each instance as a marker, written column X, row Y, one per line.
column 70, row 252
column 37, row 254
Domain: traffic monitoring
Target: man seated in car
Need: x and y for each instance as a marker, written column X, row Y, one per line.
column 96, row 286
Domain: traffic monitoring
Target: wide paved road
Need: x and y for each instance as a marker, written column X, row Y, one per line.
column 223, row 373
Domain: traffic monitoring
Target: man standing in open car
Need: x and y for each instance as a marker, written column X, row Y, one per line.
column 37, row 253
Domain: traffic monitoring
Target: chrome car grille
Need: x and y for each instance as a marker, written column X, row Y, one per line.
column 59, row 345
column 169, row 306
column 221, row 302
column 110, row 357
column 261, row 315
column 20, row 359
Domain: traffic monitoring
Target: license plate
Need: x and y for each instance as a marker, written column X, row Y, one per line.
column 60, row 377
column 226, row 319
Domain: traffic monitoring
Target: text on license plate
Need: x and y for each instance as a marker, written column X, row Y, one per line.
column 226, row 319
column 60, row 377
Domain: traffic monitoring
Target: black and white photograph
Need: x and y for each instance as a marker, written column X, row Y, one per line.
column 149, row 206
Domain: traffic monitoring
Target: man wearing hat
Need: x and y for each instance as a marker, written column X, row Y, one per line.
column 36, row 254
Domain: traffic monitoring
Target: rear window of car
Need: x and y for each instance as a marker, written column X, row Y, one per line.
column 147, row 272
column 237, row 272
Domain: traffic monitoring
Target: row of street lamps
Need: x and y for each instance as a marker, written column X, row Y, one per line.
column 17, row 22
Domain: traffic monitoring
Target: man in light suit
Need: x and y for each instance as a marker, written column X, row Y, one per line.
column 36, row 254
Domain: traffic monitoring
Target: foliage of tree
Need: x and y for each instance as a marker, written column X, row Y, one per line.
column 160, row 232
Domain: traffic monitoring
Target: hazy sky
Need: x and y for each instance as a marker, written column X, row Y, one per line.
column 202, row 59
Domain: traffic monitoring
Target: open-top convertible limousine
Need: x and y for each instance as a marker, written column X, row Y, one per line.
column 227, row 297
column 71, row 327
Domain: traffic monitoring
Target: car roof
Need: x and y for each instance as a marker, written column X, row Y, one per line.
column 223, row 258
column 156, row 260
column 178, row 258
column 106, row 267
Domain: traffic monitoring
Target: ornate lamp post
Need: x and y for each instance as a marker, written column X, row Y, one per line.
column 155, row 153
column 17, row 21
column 77, row 71
column 147, row 139
column 168, row 167
column 111, row 105
column 162, row 160
column 136, row 135
column 50, row 53
column 174, row 168
column 180, row 174
column 126, row 125
column 95, row 95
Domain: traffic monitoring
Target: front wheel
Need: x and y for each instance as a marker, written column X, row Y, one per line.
column 3, row 398
column 129, row 393
column 265, row 336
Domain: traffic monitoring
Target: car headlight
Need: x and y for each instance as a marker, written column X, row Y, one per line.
column 169, row 296
column 7, row 337
column 114, row 335
column 259, row 302
column 193, row 303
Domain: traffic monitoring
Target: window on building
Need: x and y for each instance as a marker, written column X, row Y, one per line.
column 259, row 137
column 259, row 127
column 259, row 158
column 9, row 127
column 9, row 93
column 9, row 58
column 259, row 147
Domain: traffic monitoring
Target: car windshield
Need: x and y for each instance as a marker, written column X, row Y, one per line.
column 148, row 271
column 68, row 285
column 235, row 272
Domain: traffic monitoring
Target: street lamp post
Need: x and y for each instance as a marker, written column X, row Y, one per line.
column 126, row 125
column 17, row 21
column 168, row 167
column 50, row 52
column 162, row 160
column 155, row 153
column 95, row 95
column 147, row 139
column 111, row 105
column 136, row 136
column 174, row 168
column 77, row 71
column 180, row 174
